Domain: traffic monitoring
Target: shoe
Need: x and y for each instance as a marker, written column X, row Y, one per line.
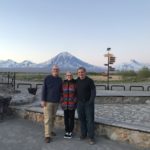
column 48, row 139
column 66, row 136
column 83, row 137
column 91, row 141
column 70, row 135
column 53, row 133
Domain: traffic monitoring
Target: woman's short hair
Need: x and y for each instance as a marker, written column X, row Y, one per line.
column 68, row 72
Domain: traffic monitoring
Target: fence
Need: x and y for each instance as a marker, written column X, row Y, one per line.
column 8, row 78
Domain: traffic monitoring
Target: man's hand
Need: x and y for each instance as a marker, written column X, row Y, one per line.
column 43, row 104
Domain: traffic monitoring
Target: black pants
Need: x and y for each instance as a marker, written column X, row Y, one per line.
column 86, row 117
column 69, row 120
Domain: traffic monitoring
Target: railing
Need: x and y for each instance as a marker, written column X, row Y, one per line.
column 99, row 85
column 135, row 86
column 20, row 84
column 122, row 86
column 31, row 90
column 148, row 87
column 8, row 78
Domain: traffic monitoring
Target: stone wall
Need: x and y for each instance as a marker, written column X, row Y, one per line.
column 141, row 139
column 122, row 100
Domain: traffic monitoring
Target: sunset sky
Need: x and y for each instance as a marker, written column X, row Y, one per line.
column 40, row 29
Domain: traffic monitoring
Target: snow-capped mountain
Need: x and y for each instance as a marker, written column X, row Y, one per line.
column 13, row 64
column 64, row 60
column 27, row 63
column 132, row 65
column 8, row 63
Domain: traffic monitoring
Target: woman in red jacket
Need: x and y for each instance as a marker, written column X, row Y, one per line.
column 69, row 104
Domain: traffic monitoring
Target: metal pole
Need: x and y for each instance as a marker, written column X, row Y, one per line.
column 14, row 81
column 8, row 76
column 108, row 73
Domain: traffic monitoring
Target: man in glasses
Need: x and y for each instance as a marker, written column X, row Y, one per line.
column 86, row 93
column 51, row 94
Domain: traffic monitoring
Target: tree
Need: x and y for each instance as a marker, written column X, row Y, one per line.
column 128, row 75
column 143, row 73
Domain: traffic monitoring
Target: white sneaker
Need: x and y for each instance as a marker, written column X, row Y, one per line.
column 70, row 135
column 66, row 136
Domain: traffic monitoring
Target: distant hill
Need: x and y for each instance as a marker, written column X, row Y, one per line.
column 132, row 65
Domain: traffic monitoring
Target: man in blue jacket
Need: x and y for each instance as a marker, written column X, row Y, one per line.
column 51, row 94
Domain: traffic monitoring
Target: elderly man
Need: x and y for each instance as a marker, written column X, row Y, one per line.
column 51, row 94
column 85, row 95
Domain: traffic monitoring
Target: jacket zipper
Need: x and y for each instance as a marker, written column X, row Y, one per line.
column 68, row 96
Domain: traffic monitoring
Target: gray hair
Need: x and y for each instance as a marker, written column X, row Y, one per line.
column 81, row 68
column 55, row 67
column 68, row 72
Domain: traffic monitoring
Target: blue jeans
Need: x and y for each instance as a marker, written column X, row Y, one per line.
column 86, row 118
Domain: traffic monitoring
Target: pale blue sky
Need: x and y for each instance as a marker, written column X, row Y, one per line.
column 39, row 29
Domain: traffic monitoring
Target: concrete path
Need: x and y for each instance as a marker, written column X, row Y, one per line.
column 19, row 134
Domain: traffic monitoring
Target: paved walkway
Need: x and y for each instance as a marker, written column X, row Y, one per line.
column 18, row 134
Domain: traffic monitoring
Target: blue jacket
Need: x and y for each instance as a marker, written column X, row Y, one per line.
column 52, row 89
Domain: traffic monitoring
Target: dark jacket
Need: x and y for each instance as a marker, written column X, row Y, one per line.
column 52, row 89
column 86, row 91
column 69, row 100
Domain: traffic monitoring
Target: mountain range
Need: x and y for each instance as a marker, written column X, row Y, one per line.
column 65, row 60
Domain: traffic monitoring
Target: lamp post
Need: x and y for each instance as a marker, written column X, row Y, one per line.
column 110, row 60
column 108, row 73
